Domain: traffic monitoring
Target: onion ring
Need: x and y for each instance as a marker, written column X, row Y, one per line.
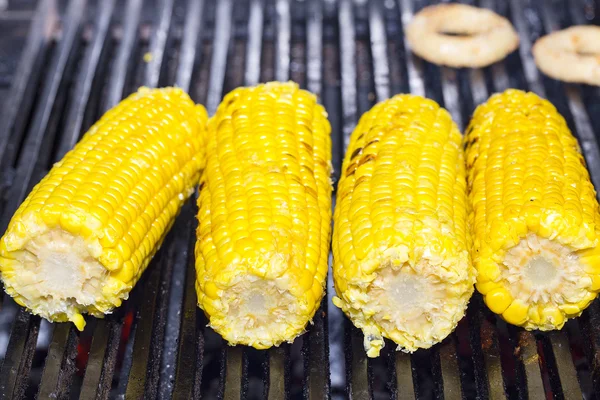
column 571, row 55
column 459, row 35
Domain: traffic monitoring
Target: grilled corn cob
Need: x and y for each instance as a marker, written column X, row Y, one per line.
column 401, row 265
column 535, row 215
column 264, row 214
column 86, row 232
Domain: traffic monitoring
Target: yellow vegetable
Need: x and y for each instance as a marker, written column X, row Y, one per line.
column 536, row 223
column 401, row 265
column 264, row 214
column 85, row 234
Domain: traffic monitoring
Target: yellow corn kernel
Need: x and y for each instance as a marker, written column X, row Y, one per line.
column 536, row 220
column 264, row 214
column 87, row 231
column 401, row 265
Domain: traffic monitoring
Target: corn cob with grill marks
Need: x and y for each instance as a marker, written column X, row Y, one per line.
column 535, row 217
column 400, row 241
column 264, row 214
column 84, row 235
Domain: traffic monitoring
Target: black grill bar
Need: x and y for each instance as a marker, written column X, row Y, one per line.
column 564, row 363
column 189, row 44
column 189, row 361
column 282, row 53
column 102, row 360
column 14, row 114
column 158, row 43
column 379, row 50
column 219, row 55
column 253, row 50
column 19, row 355
column 414, row 65
column 316, row 382
column 278, row 373
column 61, row 61
column 84, row 80
column 60, row 363
column 127, row 43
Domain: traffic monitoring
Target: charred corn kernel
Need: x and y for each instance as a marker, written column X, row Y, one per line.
column 86, row 232
column 264, row 214
column 401, row 265
column 536, row 221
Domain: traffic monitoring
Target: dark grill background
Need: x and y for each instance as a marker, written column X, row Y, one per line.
column 76, row 59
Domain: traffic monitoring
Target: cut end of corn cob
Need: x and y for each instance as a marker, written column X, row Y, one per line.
column 264, row 214
column 401, row 266
column 84, row 235
column 260, row 313
column 59, row 273
column 536, row 217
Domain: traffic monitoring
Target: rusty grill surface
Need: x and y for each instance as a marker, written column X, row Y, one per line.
column 81, row 57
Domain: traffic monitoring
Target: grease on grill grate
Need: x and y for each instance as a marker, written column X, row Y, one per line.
column 80, row 59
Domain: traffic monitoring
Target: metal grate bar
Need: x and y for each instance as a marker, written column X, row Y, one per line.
column 102, row 360
column 405, row 388
column 126, row 46
column 282, row 58
column 254, row 45
column 414, row 65
column 83, row 85
column 297, row 45
column 278, row 373
column 357, row 364
column 219, row 60
column 450, row 372
column 489, row 380
column 187, row 353
column 531, row 362
column 529, row 68
column 142, row 341
column 450, row 95
column 60, row 363
column 356, row 360
column 189, row 44
column 348, row 68
column 19, row 354
column 578, row 13
column 158, row 43
column 234, row 365
column 332, row 100
column 381, row 70
column 564, row 363
column 314, row 44
column 33, row 142
column 15, row 112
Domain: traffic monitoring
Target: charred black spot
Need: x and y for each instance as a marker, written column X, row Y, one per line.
column 371, row 142
column 307, row 146
column 356, row 152
column 366, row 159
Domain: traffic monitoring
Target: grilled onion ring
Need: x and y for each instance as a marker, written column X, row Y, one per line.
column 459, row 35
column 571, row 55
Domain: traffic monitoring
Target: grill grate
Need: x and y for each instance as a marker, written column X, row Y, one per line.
column 81, row 57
